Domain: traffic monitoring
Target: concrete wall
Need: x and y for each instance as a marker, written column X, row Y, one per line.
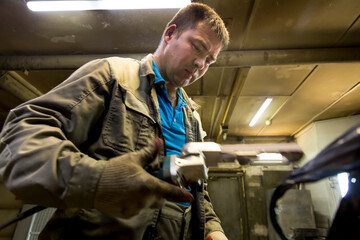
column 326, row 193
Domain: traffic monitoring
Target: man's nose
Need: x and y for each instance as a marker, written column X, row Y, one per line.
column 199, row 63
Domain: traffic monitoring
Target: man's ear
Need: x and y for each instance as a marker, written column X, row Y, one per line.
column 170, row 32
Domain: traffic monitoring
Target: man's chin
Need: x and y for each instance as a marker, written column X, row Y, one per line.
column 184, row 83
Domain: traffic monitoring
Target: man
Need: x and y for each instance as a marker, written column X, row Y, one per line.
column 83, row 147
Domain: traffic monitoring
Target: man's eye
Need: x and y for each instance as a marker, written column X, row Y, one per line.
column 196, row 48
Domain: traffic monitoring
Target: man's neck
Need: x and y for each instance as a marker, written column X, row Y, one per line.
column 171, row 90
column 172, row 94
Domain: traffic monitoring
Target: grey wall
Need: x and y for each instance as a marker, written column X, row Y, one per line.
column 326, row 193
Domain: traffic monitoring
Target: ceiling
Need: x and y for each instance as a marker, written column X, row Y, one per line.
column 304, row 54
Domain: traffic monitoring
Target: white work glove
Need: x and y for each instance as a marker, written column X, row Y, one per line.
column 217, row 235
column 125, row 188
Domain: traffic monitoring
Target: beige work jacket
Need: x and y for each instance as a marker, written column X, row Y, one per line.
column 53, row 148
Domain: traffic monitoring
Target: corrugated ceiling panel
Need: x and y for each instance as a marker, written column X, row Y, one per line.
column 195, row 88
column 45, row 80
column 84, row 32
column 279, row 80
column 236, row 15
column 352, row 37
column 326, row 84
column 211, row 82
column 8, row 100
column 211, row 111
column 299, row 23
column 218, row 81
column 349, row 105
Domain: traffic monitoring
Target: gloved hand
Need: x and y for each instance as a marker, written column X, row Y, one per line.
column 217, row 235
column 125, row 188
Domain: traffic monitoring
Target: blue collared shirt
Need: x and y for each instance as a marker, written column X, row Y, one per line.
column 172, row 122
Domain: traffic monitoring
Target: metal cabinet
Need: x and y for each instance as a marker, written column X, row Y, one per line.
column 240, row 200
column 226, row 190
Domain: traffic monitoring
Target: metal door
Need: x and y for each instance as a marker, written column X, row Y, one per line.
column 226, row 190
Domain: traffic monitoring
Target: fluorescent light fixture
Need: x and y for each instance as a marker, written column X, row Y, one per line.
column 41, row 6
column 260, row 111
column 270, row 156
column 267, row 162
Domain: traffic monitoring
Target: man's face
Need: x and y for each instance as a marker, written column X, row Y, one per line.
column 189, row 55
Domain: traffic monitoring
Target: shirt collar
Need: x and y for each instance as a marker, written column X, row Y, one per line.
column 158, row 77
column 159, row 80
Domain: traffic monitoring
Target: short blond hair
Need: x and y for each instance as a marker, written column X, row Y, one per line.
column 189, row 16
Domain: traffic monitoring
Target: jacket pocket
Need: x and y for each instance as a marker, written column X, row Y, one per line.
column 128, row 127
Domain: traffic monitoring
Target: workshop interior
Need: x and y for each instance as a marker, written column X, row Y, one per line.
column 285, row 88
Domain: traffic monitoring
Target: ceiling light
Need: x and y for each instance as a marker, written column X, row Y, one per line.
column 270, row 156
column 259, row 162
column 104, row 5
column 260, row 111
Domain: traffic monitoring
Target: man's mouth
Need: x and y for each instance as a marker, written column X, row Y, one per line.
column 188, row 74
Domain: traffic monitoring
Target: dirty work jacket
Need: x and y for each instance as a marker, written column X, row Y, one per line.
column 53, row 148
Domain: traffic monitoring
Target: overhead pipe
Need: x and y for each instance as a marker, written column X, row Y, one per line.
column 225, row 59
column 54, row 62
column 13, row 83
column 240, row 76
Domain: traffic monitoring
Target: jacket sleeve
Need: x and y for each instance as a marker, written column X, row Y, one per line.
column 40, row 161
column 212, row 222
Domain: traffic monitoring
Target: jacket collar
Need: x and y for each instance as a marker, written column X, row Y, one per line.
column 146, row 68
